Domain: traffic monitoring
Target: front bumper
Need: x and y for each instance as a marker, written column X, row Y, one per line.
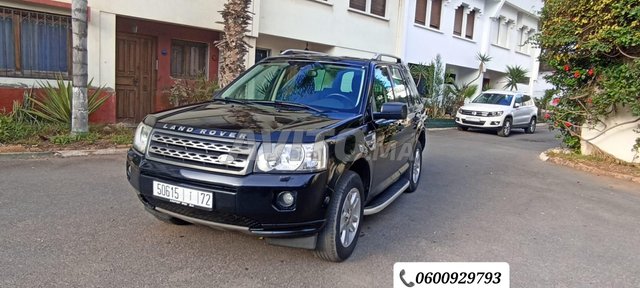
column 479, row 122
column 241, row 203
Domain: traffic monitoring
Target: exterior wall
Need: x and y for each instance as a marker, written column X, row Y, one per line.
column 332, row 23
column 618, row 141
column 424, row 43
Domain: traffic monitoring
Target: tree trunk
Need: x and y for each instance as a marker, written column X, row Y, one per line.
column 80, row 111
column 233, row 48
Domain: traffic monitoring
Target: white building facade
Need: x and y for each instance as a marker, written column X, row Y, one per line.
column 459, row 30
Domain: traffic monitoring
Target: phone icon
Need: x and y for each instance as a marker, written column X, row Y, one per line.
column 408, row 284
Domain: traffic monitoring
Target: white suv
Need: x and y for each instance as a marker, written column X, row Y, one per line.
column 499, row 110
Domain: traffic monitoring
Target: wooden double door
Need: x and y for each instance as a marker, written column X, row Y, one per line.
column 135, row 76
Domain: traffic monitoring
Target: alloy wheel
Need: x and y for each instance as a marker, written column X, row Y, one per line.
column 350, row 217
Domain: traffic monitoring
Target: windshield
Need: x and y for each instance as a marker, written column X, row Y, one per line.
column 489, row 98
column 319, row 85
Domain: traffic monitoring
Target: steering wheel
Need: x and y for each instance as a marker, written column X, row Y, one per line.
column 344, row 99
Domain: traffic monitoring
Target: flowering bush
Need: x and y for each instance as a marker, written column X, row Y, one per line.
column 594, row 49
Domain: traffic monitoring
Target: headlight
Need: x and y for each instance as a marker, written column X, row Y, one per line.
column 142, row 137
column 291, row 157
column 460, row 110
column 493, row 114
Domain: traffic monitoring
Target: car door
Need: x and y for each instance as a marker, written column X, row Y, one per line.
column 387, row 133
column 407, row 127
column 519, row 111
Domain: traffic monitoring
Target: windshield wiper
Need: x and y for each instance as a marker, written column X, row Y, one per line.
column 298, row 105
column 231, row 100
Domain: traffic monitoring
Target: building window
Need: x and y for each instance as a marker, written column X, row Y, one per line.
column 261, row 54
column 34, row 44
column 501, row 26
column 433, row 8
column 471, row 18
column 188, row 59
column 457, row 24
column 375, row 7
column 524, row 34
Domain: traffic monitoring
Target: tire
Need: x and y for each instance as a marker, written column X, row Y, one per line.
column 416, row 159
column 532, row 126
column 505, row 130
column 166, row 218
column 330, row 246
column 463, row 128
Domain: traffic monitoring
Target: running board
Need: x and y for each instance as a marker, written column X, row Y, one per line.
column 385, row 198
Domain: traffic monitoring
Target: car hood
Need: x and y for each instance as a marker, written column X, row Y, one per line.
column 249, row 121
column 484, row 107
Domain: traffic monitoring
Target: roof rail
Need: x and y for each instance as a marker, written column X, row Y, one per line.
column 379, row 56
column 301, row 52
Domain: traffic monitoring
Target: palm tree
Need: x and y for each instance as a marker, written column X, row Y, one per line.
column 80, row 111
column 515, row 75
column 237, row 17
column 483, row 59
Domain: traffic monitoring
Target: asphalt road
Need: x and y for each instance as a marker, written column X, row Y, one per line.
column 76, row 223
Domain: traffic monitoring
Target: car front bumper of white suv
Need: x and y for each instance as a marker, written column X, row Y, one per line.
column 479, row 121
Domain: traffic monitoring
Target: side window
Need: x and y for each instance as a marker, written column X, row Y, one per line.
column 527, row 101
column 382, row 88
column 518, row 100
column 400, row 87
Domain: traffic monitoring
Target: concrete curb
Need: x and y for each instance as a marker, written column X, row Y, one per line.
column 584, row 167
column 440, row 129
column 61, row 153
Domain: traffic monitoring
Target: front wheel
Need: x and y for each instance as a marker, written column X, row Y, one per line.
column 339, row 237
column 505, row 130
column 462, row 128
column 415, row 169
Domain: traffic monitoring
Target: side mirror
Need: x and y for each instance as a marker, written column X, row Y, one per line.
column 392, row 111
column 516, row 105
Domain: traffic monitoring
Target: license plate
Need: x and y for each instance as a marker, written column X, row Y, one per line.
column 473, row 119
column 184, row 196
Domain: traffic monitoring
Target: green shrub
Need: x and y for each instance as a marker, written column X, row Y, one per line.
column 11, row 130
column 55, row 101
column 186, row 91
column 65, row 139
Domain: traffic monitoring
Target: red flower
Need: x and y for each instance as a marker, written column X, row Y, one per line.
column 547, row 116
column 576, row 74
column 567, row 68
column 555, row 101
column 591, row 72
column 589, row 100
column 567, row 124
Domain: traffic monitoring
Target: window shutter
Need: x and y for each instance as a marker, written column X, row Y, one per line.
column 378, row 7
column 457, row 25
column 421, row 12
column 436, row 12
column 358, row 4
column 470, row 24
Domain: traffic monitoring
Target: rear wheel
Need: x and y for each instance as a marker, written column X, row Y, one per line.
column 340, row 235
column 532, row 126
column 505, row 131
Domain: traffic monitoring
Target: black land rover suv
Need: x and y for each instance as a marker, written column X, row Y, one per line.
column 296, row 150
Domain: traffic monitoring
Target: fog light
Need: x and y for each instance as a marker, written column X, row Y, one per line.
column 285, row 199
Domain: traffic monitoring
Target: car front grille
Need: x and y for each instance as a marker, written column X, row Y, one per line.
column 473, row 113
column 212, row 154
column 473, row 122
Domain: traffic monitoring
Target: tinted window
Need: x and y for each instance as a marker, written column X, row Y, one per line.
column 400, row 86
column 492, row 98
column 382, row 88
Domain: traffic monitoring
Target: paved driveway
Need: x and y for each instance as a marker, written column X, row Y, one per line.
column 76, row 223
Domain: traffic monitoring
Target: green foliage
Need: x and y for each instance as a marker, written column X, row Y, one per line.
column 515, row 75
column 54, row 103
column 186, row 91
column 65, row 139
column 594, row 47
